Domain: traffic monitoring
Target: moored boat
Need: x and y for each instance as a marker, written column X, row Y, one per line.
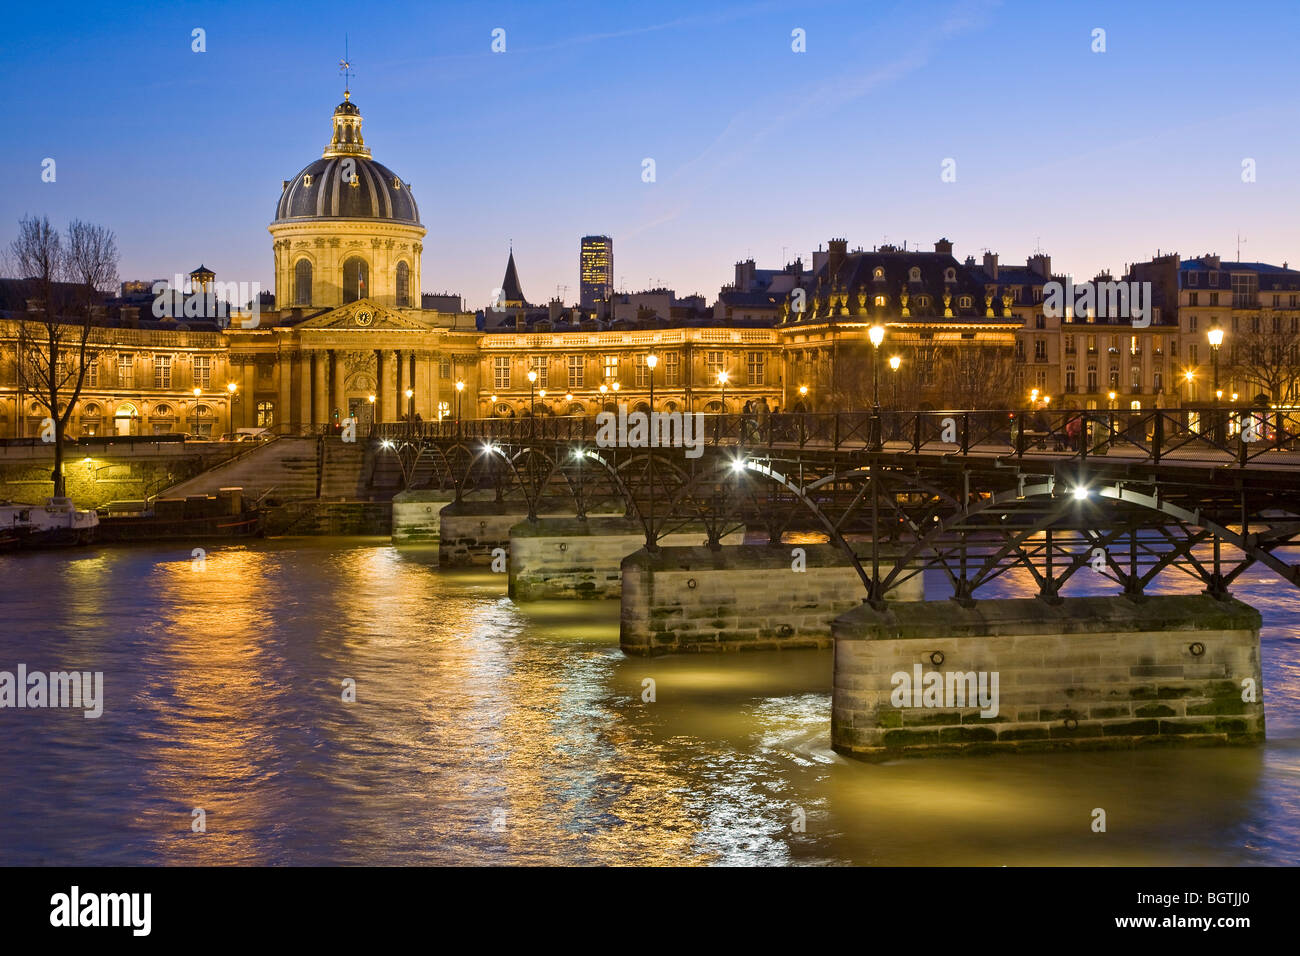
column 57, row 523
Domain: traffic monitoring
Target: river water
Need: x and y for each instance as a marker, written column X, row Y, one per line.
column 487, row 733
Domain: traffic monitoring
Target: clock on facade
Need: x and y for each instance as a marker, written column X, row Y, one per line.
column 364, row 317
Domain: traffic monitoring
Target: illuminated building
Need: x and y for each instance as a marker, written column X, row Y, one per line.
column 595, row 270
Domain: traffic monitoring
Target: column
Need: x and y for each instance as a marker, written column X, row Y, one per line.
column 379, row 385
column 302, row 414
column 317, row 389
column 335, row 389
column 247, row 399
column 399, row 398
column 410, row 405
column 284, row 370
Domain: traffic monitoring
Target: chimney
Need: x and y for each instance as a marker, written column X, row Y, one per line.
column 1040, row 265
column 943, row 247
column 745, row 276
column 835, row 258
column 819, row 259
column 991, row 265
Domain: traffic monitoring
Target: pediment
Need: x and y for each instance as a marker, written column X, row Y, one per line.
column 363, row 315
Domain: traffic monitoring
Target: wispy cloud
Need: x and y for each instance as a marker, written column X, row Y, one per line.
column 750, row 128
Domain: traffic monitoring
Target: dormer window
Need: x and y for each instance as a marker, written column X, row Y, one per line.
column 964, row 302
column 397, row 183
column 914, row 274
column 1193, row 279
column 879, row 273
column 880, row 301
column 950, row 275
column 306, row 179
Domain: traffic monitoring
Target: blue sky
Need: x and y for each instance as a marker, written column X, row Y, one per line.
column 1096, row 158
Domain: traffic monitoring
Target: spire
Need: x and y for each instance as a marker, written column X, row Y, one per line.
column 510, row 284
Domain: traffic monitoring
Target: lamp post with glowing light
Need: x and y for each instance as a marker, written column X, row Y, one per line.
column 233, row 389
column 1215, row 336
column 460, row 388
column 894, row 362
column 532, row 400
column 651, row 541
column 877, row 336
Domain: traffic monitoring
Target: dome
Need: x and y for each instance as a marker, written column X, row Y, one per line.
column 345, row 183
column 371, row 191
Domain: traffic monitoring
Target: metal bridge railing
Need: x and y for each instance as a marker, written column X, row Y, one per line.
column 1221, row 433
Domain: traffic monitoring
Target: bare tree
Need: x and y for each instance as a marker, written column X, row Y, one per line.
column 1265, row 357
column 67, row 278
column 974, row 376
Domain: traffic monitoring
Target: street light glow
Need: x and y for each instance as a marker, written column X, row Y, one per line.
column 895, row 361
column 877, row 335
column 652, row 360
column 1216, row 337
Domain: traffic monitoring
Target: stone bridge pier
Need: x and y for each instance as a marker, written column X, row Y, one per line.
column 751, row 597
column 1092, row 673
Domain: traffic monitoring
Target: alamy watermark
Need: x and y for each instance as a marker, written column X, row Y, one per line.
column 651, row 430
column 214, row 303
column 947, row 690
column 56, row 689
column 1122, row 300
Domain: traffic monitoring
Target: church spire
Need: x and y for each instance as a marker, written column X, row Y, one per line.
column 512, row 293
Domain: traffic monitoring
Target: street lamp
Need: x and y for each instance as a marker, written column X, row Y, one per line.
column 1216, row 339
column 722, row 381
column 532, row 381
column 894, row 362
column 460, row 387
column 877, row 336
column 651, row 543
column 651, row 362
column 233, row 389
column 492, row 412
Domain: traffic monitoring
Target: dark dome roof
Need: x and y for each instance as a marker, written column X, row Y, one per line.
column 375, row 193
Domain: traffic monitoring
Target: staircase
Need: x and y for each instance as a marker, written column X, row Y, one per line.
column 343, row 469
column 385, row 473
column 286, row 468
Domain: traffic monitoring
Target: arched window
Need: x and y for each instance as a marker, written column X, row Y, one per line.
column 90, row 419
column 302, row 283
column 265, row 414
column 914, row 275
column 950, row 275
column 403, row 284
column 356, row 279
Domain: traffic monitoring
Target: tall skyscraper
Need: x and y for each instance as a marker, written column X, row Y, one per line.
column 596, row 270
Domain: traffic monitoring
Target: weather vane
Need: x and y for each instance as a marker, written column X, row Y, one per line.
column 345, row 67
